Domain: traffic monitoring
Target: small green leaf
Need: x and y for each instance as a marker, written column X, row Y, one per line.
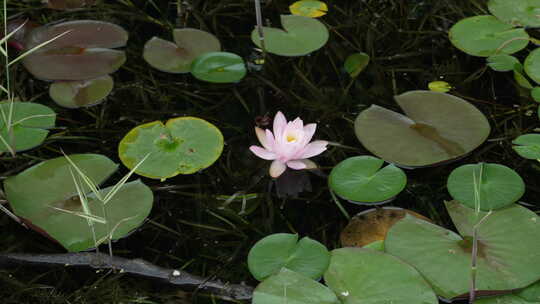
column 29, row 124
column 532, row 65
column 498, row 186
column 535, row 94
column 502, row 62
column 356, row 63
column 527, row 146
column 362, row 179
column 283, row 250
column 219, row 67
column 292, row 288
column 486, row 35
column 301, row 36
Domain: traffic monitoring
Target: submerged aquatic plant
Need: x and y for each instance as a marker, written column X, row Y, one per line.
column 289, row 145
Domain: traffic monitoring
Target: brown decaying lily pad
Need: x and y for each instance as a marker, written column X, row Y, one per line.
column 82, row 53
column 372, row 225
column 81, row 93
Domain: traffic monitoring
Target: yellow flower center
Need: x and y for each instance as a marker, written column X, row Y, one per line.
column 291, row 138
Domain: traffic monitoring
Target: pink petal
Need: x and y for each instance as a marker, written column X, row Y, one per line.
column 280, row 122
column 277, row 168
column 297, row 124
column 270, row 141
column 314, row 148
column 309, row 130
column 262, row 153
column 261, row 135
column 309, row 164
column 296, row 164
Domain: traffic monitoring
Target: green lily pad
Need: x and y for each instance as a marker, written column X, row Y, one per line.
column 361, row 179
column 532, row 65
column 301, row 36
column 535, row 94
column 219, row 67
column 438, row 127
column 486, row 35
column 504, row 299
column 502, row 62
column 521, row 80
column 508, row 249
column 292, row 288
column 29, row 125
column 82, row 93
column 34, row 193
column 531, row 293
column 189, row 43
column 359, row 275
column 527, row 146
column 492, row 186
column 184, row 145
column 283, row 250
column 516, row 12
column 356, row 63
column 83, row 52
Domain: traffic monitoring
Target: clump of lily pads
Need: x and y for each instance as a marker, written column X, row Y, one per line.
column 78, row 56
column 194, row 51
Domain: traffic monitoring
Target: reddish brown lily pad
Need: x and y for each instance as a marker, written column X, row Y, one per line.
column 81, row 93
column 82, row 52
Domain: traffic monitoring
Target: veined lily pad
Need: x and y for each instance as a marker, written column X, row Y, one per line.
column 292, row 288
column 184, row 145
column 359, row 275
column 219, row 67
column 29, row 125
column 361, row 179
column 35, row 193
column 69, row 4
column 531, row 293
column 438, row 127
column 486, row 35
column 301, row 36
column 283, row 250
column 492, row 186
column 82, row 53
column 189, row 43
column 82, row 93
column 508, row 249
column 516, row 12
column 532, row 65
column 502, row 62
column 527, row 146
column 356, row 63
column 309, row 8
column 372, row 225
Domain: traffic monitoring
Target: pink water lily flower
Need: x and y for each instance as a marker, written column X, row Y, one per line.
column 289, row 145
